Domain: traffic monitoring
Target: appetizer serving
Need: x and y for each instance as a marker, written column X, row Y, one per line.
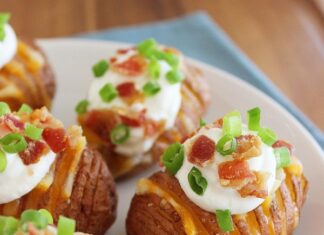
column 44, row 166
column 227, row 178
column 141, row 100
column 37, row 222
column 25, row 75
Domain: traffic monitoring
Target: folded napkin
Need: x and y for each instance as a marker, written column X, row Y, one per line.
column 199, row 36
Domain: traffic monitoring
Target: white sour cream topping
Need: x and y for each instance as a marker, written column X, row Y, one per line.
column 164, row 105
column 19, row 179
column 8, row 46
column 217, row 197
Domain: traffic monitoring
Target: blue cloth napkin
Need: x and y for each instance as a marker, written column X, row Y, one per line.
column 199, row 36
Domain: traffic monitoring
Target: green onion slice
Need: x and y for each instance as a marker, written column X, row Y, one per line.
column 154, row 69
column 151, row 88
column 8, row 225
column 108, row 92
column 2, row 33
column 25, row 108
column 13, row 143
column 47, row 215
column 283, row 157
column 146, row 47
column 33, row 132
column 224, row 220
column 3, row 162
column 82, row 107
column 202, row 122
column 172, row 158
column 268, row 136
column 4, row 18
column 100, row 68
column 65, row 226
column 4, row 108
column 226, row 145
column 196, row 181
column 254, row 117
column 120, row 134
column 174, row 76
column 232, row 124
column 35, row 217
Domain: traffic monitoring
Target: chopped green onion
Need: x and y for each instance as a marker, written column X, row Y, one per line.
column 174, row 76
column 2, row 33
column 268, row 136
column 33, row 132
column 282, row 157
column 25, row 108
column 82, row 107
column 146, row 47
column 172, row 158
column 3, row 162
column 197, row 182
column 170, row 58
column 35, row 217
column 65, row 226
column 224, row 220
column 4, row 108
column 108, row 92
column 13, row 143
column 8, row 225
column 154, row 69
column 100, row 68
column 47, row 215
column 202, row 122
column 226, row 145
column 151, row 88
column 119, row 134
column 232, row 124
column 4, row 18
column 254, row 119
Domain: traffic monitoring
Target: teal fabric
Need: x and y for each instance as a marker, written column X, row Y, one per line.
column 200, row 37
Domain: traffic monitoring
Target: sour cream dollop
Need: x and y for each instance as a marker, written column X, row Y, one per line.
column 8, row 46
column 19, row 179
column 217, row 197
column 164, row 106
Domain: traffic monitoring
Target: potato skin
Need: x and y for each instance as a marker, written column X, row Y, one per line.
column 92, row 202
column 150, row 214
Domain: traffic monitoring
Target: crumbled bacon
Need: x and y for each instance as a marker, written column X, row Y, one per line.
column 123, row 51
column 134, row 66
column 33, row 152
column 113, row 60
column 55, row 138
column 282, row 143
column 218, row 123
column 126, row 89
column 152, row 127
column 248, row 146
column 133, row 122
column 202, row 150
column 257, row 188
column 13, row 123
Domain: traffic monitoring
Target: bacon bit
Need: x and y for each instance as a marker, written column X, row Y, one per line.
column 248, row 146
column 126, row 89
column 113, row 60
column 257, row 188
column 202, row 150
column 134, row 122
column 33, row 152
column 282, row 143
column 13, row 123
column 123, row 51
column 134, row 66
column 55, row 138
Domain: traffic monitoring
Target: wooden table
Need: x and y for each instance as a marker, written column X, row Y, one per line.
column 285, row 38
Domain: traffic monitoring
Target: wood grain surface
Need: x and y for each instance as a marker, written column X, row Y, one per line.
column 285, row 38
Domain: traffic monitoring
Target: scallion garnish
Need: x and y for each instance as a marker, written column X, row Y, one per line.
column 174, row 76
column 171, row 59
column 226, row 145
column 65, row 226
column 254, row 117
column 108, row 92
column 34, row 217
column 82, row 107
column 25, row 108
column 119, row 134
column 8, row 225
column 146, row 47
column 172, row 158
column 3, row 162
column 4, row 108
column 100, row 68
column 202, row 122
column 197, row 182
column 224, row 220
column 268, row 136
column 47, row 215
column 33, row 132
column 232, row 124
column 283, row 157
column 4, row 18
column 154, row 69
column 151, row 88
column 13, row 143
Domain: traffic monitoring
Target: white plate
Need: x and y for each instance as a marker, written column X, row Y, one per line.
column 72, row 60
